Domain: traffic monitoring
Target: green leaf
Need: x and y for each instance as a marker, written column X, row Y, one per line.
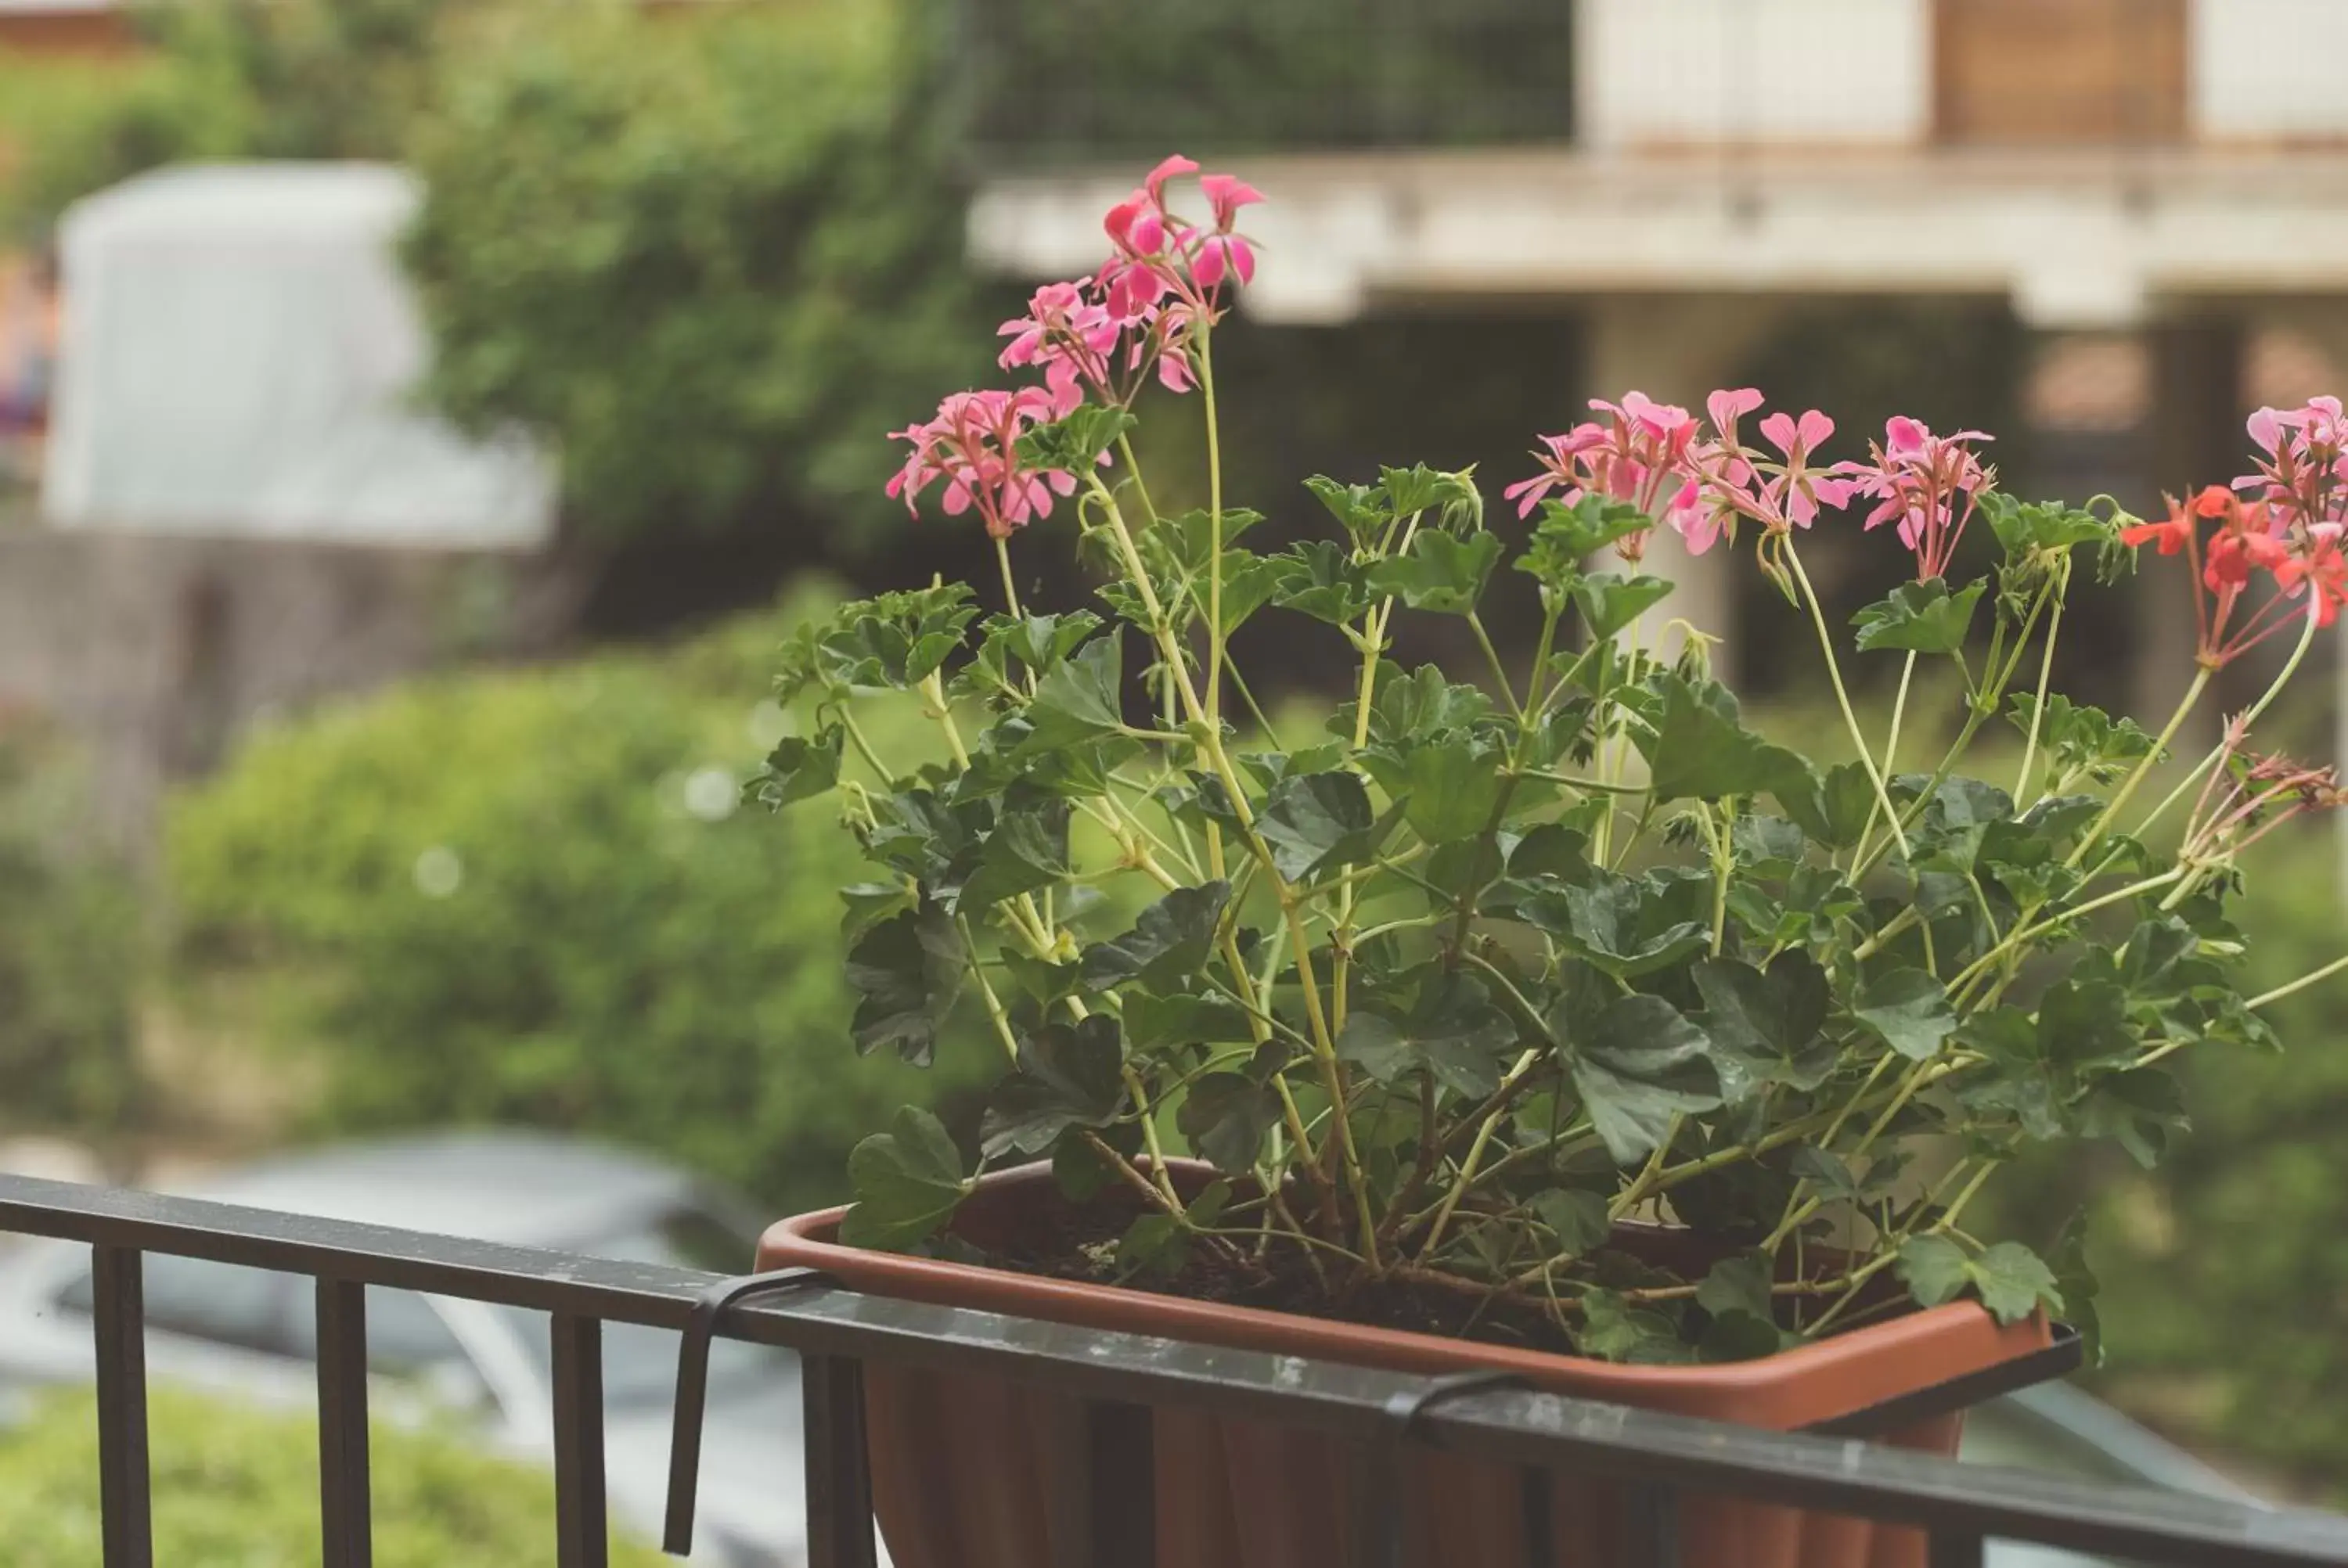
column 1739, row 1284
column 1769, row 1022
column 1935, row 1269
column 2011, row 1281
column 907, row 1182
column 1832, row 808
column 906, row 971
column 1318, row 821
column 1077, row 698
column 1577, row 1216
column 2074, row 1281
column 1407, row 709
column 1443, row 573
column 1027, row 849
column 1612, row 1330
column 1618, row 923
column 1169, row 940
column 869, row 903
column 1074, row 444
column 1360, row 509
column 2027, row 528
column 1225, row 1116
column 798, row 768
column 1453, row 1032
column 1453, row 789
column 1907, row 1010
column 2014, row 1281
column 1921, row 617
column 1153, row 1022
column 1639, row 1064
column 1827, row 1171
column 1699, row 750
column 1610, row 602
column 1319, row 579
column 1565, row 536
column 1069, row 1075
column 895, row 640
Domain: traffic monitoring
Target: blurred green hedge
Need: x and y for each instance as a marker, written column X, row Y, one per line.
column 72, row 949
column 238, row 1486
column 531, row 895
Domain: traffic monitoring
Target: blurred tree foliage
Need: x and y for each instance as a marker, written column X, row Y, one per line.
column 238, row 1486
column 530, row 896
column 2225, row 1269
column 708, row 262
column 70, row 949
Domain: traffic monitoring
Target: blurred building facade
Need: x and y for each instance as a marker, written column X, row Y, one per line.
column 2157, row 187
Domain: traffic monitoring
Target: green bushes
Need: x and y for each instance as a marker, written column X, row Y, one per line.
column 706, row 262
column 70, row 951
column 233, row 1485
column 529, row 897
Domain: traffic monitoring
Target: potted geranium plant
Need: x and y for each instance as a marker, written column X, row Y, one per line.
column 1538, row 1015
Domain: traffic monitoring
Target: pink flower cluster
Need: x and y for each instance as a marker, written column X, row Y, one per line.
column 1103, row 336
column 1929, row 485
column 973, row 445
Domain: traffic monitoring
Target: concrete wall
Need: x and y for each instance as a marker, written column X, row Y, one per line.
column 1665, row 72
column 156, row 652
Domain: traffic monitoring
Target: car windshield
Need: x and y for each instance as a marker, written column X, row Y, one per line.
column 640, row 1363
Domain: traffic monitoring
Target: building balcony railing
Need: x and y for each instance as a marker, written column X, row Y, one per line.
column 837, row 1333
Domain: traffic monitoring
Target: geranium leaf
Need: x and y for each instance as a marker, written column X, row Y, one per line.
column 1027, row 849
column 1934, row 1268
column 1907, row 1010
column 1453, row 1031
column 1610, row 601
column 1225, row 1115
column 1921, row 617
column 1577, row 1216
column 1453, row 787
column 1769, row 1022
column 1442, row 573
column 907, row 1182
column 906, row 971
column 1077, row 698
column 1699, row 750
column 1169, row 941
column 798, row 768
column 1638, row 1064
column 1318, row 821
column 1069, row 1076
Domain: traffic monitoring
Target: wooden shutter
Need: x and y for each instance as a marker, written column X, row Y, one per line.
column 2035, row 72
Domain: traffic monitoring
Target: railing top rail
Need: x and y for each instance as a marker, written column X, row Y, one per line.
column 1841, row 1475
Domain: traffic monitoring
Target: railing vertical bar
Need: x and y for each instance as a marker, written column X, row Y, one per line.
column 119, row 1323
column 344, row 1501
column 839, row 1474
column 581, row 1535
column 1958, row 1549
column 1536, row 1496
column 1651, row 1525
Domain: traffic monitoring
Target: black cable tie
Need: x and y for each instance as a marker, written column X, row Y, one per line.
column 1382, row 1510
column 693, row 1389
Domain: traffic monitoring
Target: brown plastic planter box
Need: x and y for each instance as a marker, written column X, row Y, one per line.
column 971, row 1471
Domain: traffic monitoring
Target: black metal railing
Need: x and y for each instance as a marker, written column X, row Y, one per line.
column 838, row 1332
column 1115, row 79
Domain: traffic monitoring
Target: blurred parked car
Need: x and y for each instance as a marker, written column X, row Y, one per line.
column 251, row 1333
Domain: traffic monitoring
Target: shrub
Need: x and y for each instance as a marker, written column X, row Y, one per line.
column 234, row 1485
column 664, row 249
column 527, row 896
column 69, row 951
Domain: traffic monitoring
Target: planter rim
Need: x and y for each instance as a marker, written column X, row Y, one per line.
column 1821, row 1381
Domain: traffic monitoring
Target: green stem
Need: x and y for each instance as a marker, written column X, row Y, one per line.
column 1214, row 525
column 2161, row 744
column 2313, row 977
column 1890, row 751
column 1010, row 588
column 1492, row 659
column 1842, row 697
column 2038, row 708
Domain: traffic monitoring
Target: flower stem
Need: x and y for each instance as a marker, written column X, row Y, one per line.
column 2313, row 977
column 1890, row 751
column 1842, row 697
column 2038, row 708
column 2161, row 743
column 1010, row 589
column 1214, row 525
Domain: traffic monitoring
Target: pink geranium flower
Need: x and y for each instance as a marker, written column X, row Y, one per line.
column 972, row 443
column 1928, row 485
